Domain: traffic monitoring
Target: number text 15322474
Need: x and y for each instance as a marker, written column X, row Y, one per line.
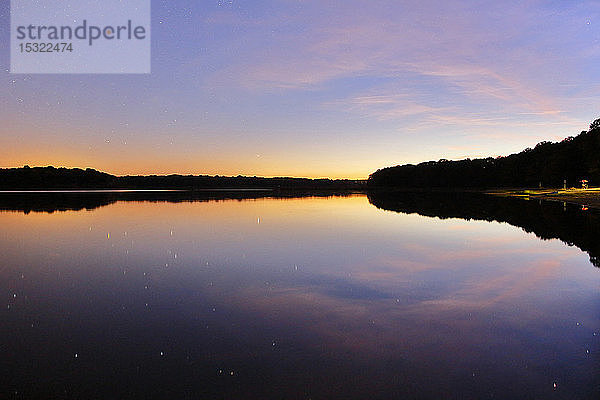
column 45, row 47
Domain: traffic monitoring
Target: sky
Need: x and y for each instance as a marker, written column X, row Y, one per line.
column 315, row 88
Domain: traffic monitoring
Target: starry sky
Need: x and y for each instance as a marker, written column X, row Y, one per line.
column 315, row 88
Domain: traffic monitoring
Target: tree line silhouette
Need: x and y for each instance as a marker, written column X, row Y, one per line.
column 548, row 164
column 27, row 178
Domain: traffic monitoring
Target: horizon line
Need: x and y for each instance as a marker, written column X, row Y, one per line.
column 188, row 174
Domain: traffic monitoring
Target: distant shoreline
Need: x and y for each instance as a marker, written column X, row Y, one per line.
column 50, row 191
column 51, row 178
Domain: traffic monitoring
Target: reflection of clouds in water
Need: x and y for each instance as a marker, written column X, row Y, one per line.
column 429, row 304
column 360, row 315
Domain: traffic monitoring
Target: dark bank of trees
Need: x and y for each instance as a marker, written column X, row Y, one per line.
column 50, row 177
column 27, row 178
column 573, row 159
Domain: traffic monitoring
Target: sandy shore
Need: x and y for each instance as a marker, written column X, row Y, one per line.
column 584, row 197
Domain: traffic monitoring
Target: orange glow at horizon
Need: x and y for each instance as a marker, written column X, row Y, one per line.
column 142, row 170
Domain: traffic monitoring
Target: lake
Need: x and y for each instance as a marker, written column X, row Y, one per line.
column 261, row 296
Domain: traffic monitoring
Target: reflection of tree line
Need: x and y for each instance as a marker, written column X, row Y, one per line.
column 547, row 220
column 72, row 201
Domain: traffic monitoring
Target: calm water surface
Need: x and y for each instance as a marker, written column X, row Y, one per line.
column 298, row 298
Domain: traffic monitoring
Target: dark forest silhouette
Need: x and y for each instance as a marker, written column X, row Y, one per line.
column 27, row 178
column 548, row 164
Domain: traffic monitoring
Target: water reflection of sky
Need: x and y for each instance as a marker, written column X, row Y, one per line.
column 293, row 298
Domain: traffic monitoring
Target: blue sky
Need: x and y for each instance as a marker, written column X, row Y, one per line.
column 316, row 88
